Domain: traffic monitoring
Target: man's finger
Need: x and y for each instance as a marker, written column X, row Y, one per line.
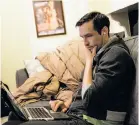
column 64, row 109
column 94, row 50
column 58, row 104
column 53, row 103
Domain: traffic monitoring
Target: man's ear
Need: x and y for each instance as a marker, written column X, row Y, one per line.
column 104, row 30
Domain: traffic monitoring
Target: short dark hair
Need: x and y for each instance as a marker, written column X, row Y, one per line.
column 99, row 20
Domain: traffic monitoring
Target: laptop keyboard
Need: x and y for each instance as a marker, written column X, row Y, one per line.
column 38, row 112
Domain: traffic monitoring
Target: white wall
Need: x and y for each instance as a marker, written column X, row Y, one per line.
column 108, row 6
column 119, row 22
column 119, row 4
column 15, row 45
column 0, row 48
column 102, row 6
column 73, row 11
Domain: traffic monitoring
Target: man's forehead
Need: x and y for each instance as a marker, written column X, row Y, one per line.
column 86, row 28
column 87, row 25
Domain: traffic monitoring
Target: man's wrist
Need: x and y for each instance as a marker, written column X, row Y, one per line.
column 89, row 62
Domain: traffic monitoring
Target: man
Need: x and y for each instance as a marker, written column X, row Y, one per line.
column 108, row 89
column 107, row 80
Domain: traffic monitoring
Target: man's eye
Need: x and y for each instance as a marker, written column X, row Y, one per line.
column 90, row 35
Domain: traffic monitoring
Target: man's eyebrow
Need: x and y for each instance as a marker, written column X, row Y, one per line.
column 86, row 35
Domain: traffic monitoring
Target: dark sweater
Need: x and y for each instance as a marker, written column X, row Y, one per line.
column 112, row 82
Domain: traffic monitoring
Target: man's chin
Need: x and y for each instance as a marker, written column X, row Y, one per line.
column 91, row 49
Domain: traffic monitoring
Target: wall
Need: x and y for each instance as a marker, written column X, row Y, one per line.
column 119, row 4
column 119, row 22
column 0, row 48
column 15, row 44
column 108, row 6
column 102, row 6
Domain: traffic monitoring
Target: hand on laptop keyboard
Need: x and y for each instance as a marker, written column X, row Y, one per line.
column 58, row 105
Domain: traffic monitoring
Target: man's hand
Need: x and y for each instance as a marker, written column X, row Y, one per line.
column 89, row 54
column 56, row 104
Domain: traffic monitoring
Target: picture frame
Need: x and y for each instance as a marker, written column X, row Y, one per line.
column 49, row 17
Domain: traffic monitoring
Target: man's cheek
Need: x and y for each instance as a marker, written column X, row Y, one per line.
column 96, row 41
column 91, row 42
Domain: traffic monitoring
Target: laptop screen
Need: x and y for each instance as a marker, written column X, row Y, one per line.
column 13, row 104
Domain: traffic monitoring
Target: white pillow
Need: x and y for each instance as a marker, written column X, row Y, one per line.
column 33, row 66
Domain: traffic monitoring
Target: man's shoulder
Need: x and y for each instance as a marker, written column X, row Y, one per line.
column 118, row 49
column 116, row 52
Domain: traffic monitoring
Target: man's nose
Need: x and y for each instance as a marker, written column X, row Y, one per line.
column 86, row 43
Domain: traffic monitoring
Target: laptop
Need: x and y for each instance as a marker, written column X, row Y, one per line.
column 31, row 113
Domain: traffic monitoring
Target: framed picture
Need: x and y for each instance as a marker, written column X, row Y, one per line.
column 49, row 17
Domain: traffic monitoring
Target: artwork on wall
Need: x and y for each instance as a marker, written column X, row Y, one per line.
column 49, row 17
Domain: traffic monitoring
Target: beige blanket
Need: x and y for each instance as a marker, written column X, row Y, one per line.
column 64, row 65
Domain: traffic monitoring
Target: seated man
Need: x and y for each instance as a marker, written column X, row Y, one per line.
column 107, row 81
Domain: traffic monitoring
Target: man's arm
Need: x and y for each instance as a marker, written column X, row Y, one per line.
column 87, row 77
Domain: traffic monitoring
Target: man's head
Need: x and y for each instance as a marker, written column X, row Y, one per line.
column 94, row 29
